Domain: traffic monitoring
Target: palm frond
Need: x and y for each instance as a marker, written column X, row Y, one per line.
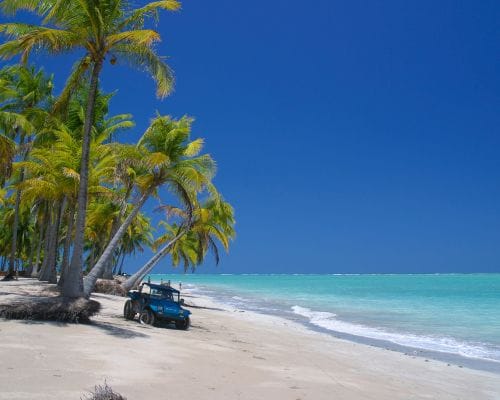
column 11, row 7
column 143, row 57
column 151, row 9
column 26, row 37
column 194, row 148
column 72, row 84
column 144, row 37
column 10, row 121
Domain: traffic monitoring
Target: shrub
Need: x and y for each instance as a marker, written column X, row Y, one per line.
column 103, row 393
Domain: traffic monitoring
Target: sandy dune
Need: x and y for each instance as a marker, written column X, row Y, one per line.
column 227, row 354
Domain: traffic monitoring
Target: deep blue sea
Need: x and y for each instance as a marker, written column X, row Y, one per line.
column 454, row 314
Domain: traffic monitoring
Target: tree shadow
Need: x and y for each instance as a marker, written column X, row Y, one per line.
column 106, row 327
column 117, row 331
column 59, row 324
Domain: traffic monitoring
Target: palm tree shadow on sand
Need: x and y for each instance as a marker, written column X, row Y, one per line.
column 106, row 327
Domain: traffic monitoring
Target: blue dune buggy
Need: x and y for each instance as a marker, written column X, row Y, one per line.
column 156, row 303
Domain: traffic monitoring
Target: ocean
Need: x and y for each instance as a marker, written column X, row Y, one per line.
column 453, row 317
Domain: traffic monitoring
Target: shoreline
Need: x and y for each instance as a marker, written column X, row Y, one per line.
column 225, row 355
column 459, row 360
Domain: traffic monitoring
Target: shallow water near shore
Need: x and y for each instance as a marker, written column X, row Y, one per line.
column 452, row 317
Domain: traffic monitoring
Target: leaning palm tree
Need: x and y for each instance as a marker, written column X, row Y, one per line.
column 189, row 241
column 171, row 159
column 101, row 28
column 212, row 226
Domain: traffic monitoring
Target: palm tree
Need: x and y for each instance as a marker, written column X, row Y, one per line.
column 186, row 249
column 52, row 176
column 214, row 224
column 168, row 158
column 101, row 28
column 198, row 233
column 24, row 89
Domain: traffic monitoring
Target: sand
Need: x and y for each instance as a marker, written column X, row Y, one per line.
column 227, row 354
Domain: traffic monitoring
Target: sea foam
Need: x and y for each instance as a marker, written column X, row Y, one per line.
column 327, row 320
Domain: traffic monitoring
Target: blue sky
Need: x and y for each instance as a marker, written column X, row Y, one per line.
column 351, row 136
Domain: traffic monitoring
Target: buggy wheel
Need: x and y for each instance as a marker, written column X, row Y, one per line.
column 147, row 317
column 128, row 310
column 184, row 325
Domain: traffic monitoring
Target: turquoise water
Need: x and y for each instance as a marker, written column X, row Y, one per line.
column 456, row 314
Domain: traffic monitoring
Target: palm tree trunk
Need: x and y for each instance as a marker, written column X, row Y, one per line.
column 108, row 270
column 13, row 245
column 50, row 273
column 31, row 258
column 67, row 247
column 54, row 249
column 148, row 267
column 91, row 259
column 106, row 256
column 49, row 235
column 119, row 263
column 32, row 243
column 73, row 282
column 34, row 271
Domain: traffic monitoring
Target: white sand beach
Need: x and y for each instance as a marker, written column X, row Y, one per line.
column 227, row 354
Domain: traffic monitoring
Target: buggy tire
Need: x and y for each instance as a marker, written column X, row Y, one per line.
column 147, row 317
column 184, row 325
column 128, row 310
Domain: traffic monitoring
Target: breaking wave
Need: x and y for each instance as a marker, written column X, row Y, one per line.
column 327, row 320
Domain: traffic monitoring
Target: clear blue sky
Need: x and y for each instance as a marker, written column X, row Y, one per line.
column 351, row 136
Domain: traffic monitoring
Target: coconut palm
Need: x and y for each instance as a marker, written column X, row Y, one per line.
column 52, row 176
column 186, row 249
column 190, row 240
column 171, row 159
column 101, row 28
column 214, row 225
column 24, row 90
